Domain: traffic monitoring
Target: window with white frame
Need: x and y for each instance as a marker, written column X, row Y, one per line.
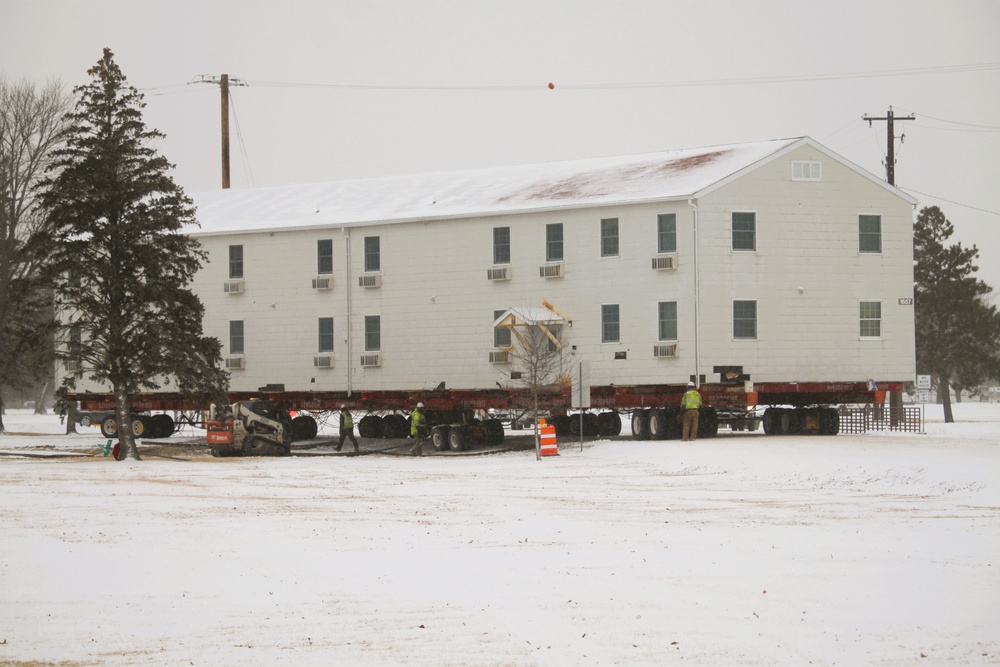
column 373, row 333
column 236, row 336
column 666, row 232
column 745, row 320
column 235, row 262
column 373, row 258
column 554, row 242
column 871, row 319
column 609, row 237
column 807, row 170
column 324, row 256
column 501, row 245
column 325, row 334
column 667, row 320
column 744, row 230
column 501, row 335
column 870, row 233
column 610, row 323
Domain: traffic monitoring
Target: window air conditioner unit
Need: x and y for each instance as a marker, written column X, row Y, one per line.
column 233, row 287
column 370, row 280
column 668, row 350
column 499, row 357
column 665, row 262
column 324, row 361
column 234, row 363
column 323, row 282
column 371, row 360
column 551, row 271
column 499, row 273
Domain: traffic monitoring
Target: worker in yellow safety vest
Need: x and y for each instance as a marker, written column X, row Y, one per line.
column 690, row 404
column 346, row 428
column 418, row 429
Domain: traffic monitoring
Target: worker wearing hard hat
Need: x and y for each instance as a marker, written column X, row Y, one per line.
column 347, row 428
column 418, row 429
column 690, row 405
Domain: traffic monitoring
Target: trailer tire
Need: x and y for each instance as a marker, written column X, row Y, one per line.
column 829, row 421
column 304, row 427
column 161, row 426
column 457, row 438
column 494, row 432
column 371, row 426
column 395, row 426
column 109, row 426
column 613, row 424
column 439, row 437
column 640, row 424
column 562, row 424
column 792, row 422
column 141, row 427
column 708, row 423
column 772, row 421
column 657, row 424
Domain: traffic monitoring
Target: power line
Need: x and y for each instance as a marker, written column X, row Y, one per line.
column 974, row 208
column 946, row 69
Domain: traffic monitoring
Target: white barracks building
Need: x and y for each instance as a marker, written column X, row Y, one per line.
column 777, row 256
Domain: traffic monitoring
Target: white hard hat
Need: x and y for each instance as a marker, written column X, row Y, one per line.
column 420, row 405
column 342, row 406
column 690, row 384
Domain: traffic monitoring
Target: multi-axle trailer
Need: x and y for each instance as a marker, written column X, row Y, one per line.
column 461, row 418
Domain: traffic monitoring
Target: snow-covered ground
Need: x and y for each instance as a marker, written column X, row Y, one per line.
column 876, row 549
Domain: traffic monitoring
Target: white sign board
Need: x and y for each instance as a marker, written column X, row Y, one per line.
column 923, row 396
column 581, row 385
column 923, row 382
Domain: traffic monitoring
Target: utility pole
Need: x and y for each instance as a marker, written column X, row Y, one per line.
column 224, row 82
column 890, row 153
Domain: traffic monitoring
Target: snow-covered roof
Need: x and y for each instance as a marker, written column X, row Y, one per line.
column 520, row 316
column 675, row 174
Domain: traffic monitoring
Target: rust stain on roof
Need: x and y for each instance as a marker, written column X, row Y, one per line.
column 603, row 182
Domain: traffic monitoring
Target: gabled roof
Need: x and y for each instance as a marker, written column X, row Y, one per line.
column 661, row 176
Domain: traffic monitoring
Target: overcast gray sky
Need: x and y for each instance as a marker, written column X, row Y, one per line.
column 351, row 89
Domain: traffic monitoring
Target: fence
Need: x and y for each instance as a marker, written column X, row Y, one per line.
column 880, row 418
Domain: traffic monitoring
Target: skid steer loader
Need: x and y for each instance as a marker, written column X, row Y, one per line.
column 252, row 428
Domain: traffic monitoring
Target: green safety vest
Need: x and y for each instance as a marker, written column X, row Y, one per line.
column 346, row 419
column 417, row 419
column 691, row 400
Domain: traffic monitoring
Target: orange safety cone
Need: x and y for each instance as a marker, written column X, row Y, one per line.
column 548, row 439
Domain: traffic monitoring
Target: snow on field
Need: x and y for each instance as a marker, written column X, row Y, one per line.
column 742, row 550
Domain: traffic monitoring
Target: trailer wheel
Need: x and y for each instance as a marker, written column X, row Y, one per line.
column 304, row 428
column 494, row 432
column 109, row 427
column 161, row 426
column 708, row 423
column 395, row 426
column 792, row 422
column 771, row 421
column 610, row 423
column 830, row 422
column 141, row 427
column 657, row 424
column 640, row 424
column 439, row 437
column 457, row 439
column 563, row 424
column 371, row 426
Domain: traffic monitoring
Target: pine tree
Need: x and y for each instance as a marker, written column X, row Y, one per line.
column 129, row 319
column 958, row 332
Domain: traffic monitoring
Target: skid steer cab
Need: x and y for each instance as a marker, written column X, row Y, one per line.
column 250, row 428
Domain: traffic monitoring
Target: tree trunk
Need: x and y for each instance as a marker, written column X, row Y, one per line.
column 945, row 395
column 71, row 418
column 40, row 401
column 123, row 413
column 538, row 441
column 2, row 429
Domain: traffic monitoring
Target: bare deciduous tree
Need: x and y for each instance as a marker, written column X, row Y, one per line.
column 32, row 125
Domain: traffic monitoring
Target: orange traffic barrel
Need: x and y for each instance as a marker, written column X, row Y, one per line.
column 548, row 433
